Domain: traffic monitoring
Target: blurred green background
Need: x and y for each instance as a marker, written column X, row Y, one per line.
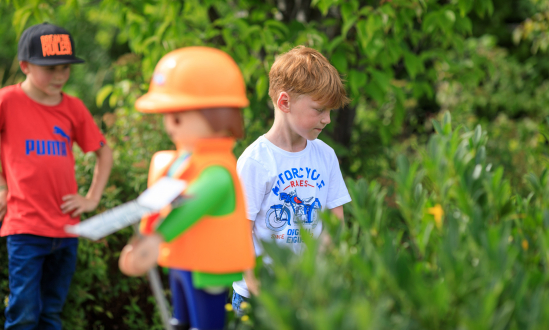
column 444, row 147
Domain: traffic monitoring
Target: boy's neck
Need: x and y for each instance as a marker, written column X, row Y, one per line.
column 39, row 96
column 283, row 137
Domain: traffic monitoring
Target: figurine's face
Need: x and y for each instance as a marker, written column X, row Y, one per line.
column 186, row 128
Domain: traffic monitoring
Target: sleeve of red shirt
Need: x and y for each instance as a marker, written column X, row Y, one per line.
column 86, row 133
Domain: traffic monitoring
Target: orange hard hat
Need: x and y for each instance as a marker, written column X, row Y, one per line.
column 194, row 78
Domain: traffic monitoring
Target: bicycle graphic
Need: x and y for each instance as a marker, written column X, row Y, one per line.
column 305, row 211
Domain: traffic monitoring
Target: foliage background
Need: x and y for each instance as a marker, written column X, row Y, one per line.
column 399, row 262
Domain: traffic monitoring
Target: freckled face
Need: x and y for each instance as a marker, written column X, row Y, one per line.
column 308, row 118
column 185, row 128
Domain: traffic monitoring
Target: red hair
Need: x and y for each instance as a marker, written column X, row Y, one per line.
column 305, row 71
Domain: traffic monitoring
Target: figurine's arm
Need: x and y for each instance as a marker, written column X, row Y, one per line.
column 211, row 194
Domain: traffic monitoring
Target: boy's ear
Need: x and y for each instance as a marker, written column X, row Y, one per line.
column 283, row 102
column 24, row 65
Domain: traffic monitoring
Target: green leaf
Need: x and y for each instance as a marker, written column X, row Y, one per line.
column 274, row 24
column 365, row 11
column 375, row 46
column 261, row 86
column 102, row 94
column 334, row 43
column 339, row 60
column 477, row 135
column 363, row 37
column 465, row 25
column 436, row 126
column 382, row 79
column 403, row 166
column 357, row 80
column 20, row 18
column 373, row 24
column 465, row 6
column 447, row 122
column 347, row 26
column 375, row 92
column 347, row 10
column 114, row 98
column 430, row 22
column 323, row 5
column 228, row 37
column 450, row 15
column 490, row 7
column 413, row 64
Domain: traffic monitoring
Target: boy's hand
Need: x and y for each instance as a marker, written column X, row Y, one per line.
column 251, row 281
column 325, row 242
column 3, row 202
column 140, row 255
column 78, row 204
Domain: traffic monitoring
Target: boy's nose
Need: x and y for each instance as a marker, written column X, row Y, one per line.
column 60, row 74
column 59, row 77
column 326, row 119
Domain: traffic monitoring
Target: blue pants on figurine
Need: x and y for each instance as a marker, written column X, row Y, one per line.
column 194, row 307
column 40, row 273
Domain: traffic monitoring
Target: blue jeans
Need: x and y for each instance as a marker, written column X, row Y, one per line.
column 40, row 273
column 237, row 300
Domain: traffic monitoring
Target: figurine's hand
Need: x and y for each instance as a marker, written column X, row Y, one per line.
column 77, row 203
column 140, row 255
column 3, row 201
column 251, row 282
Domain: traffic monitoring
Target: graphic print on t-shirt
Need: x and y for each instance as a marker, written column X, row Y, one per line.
column 49, row 147
column 294, row 209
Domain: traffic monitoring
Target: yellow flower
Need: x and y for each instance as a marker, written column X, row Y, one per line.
column 245, row 318
column 524, row 244
column 228, row 307
column 244, row 305
column 438, row 213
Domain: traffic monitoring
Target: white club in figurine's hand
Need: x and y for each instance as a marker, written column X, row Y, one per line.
column 140, row 255
column 163, row 193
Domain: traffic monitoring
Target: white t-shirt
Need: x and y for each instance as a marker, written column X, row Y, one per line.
column 284, row 189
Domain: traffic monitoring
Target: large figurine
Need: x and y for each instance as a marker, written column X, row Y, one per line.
column 205, row 239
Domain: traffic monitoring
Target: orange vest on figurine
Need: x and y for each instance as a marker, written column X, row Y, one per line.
column 214, row 244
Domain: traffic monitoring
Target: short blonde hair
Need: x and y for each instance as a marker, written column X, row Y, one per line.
column 304, row 71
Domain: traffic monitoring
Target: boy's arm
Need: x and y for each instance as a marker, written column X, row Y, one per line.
column 3, row 197
column 249, row 277
column 338, row 212
column 325, row 239
column 338, row 195
column 101, row 173
column 78, row 204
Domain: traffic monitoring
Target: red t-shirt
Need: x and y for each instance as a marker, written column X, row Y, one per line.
column 37, row 161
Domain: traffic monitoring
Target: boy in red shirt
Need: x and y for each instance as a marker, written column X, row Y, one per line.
column 38, row 191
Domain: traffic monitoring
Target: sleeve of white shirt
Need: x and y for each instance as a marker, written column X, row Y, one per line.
column 337, row 190
column 255, row 182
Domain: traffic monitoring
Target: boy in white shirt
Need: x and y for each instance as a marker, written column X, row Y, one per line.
column 288, row 174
